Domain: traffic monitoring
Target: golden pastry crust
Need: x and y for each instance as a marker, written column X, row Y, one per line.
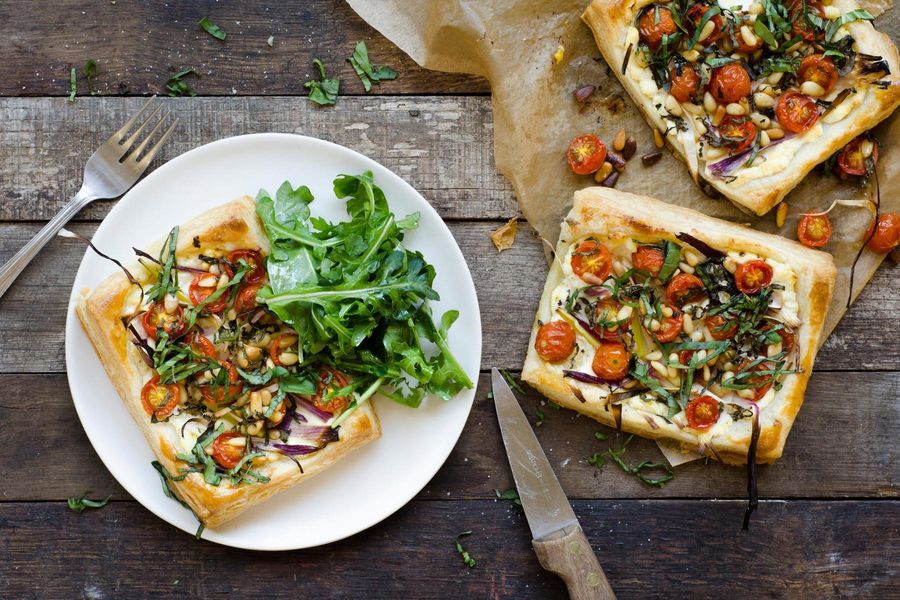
column 759, row 193
column 612, row 215
column 228, row 227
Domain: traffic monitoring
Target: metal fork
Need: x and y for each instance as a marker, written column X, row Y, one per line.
column 110, row 171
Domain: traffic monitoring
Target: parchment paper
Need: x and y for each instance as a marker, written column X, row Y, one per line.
column 512, row 42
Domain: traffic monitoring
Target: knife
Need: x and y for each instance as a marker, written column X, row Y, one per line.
column 559, row 542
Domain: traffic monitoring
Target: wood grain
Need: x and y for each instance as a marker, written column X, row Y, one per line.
column 652, row 549
column 842, row 445
column 138, row 45
column 32, row 312
column 569, row 555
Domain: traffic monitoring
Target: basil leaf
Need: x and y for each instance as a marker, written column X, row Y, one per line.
column 470, row 562
column 364, row 69
column 212, row 29
column 177, row 86
column 90, row 72
column 79, row 503
column 854, row 15
column 323, row 91
column 73, row 84
column 709, row 14
column 672, row 258
column 763, row 32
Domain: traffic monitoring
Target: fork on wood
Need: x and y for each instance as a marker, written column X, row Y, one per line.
column 110, row 171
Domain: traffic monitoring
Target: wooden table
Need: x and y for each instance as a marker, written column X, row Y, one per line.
column 829, row 521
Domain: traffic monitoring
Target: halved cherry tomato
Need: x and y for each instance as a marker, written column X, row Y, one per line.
column 275, row 348
column 684, row 288
column 254, row 259
column 702, row 412
column 214, row 395
column 156, row 318
column 684, row 82
column 740, row 132
column 607, row 310
column 800, row 26
column 684, row 357
column 819, row 69
column 648, row 258
column 752, row 276
column 851, row 160
column 159, row 399
column 331, row 379
column 591, row 261
column 695, row 15
column 201, row 345
column 555, row 341
column 227, row 455
column 887, row 233
column 761, row 383
column 796, row 112
column 721, row 328
column 199, row 293
column 655, row 22
column 586, row 154
column 246, row 298
column 670, row 327
column 729, row 83
column 611, row 361
column 814, row 230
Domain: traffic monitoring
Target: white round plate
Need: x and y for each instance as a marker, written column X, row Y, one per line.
column 368, row 485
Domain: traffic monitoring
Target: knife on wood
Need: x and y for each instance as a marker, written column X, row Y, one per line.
column 559, row 542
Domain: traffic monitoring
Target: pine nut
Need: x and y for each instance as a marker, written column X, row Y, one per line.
column 707, row 30
column 242, row 400
column 701, row 354
column 286, row 341
column 712, row 153
column 764, row 139
column 761, row 120
column 222, row 412
column 749, row 38
column 775, row 133
column 243, row 362
column 223, row 280
column 709, row 103
column 214, row 269
column 774, row 349
column 673, row 107
column 706, row 374
column 698, row 124
column 654, row 325
column 735, row 109
column 624, row 313
column 775, row 77
column 831, row 12
column 655, row 355
column 667, row 311
column 811, row 88
column 255, row 428
column 270, row 363
column 208, row 281
column 603, row 172
column 619, row 141
column 690, row 55
column 866, row 147
column 697, row 336
column 255, row 402
column 266, row 397
column 253, row 353
column 691, row 258
column 756, row 8
column 237, row 442
column 763, row 100
column 231, row 315
column 720, row 114
column 687, row 323
column 686, row 268
column 781, row 214
column 727, row 375
column 673, row 373
column 747, row 394
column 673, row 357
column 288, row 358
column 729, row 265
column 659, row 368
column 170, row 303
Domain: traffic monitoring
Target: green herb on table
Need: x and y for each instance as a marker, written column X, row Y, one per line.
column 470, row 562
column 512, row 495
column 73, row 84
column 212, row 29
column 512, row 381
column 323, row 92
column 364, row 69
column 177, row 86
column 78, row 504
column 600, row 436
column 597, row 460
column 553, row 404
column 540, row 417
column 90, row 72
column 639, row 470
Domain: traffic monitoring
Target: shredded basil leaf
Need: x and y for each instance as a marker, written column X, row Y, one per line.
column 323, row 91
column 79, row 503
column 470, row 562
column 364, row 69
column 212, row 29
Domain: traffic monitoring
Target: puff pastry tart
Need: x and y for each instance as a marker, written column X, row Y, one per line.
column 213, row 379
column 670, row 324
column 750, row 94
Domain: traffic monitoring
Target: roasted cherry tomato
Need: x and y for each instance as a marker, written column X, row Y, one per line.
column 591, row 261
column 740, row 132
column 685, row 82
column 214, row 395
column 203, row 286
column 819, row 69
column 586, row 154
column 695, row 16
column 729, row 83
column 853, row 161
column 277, row 348
column 649, row 259
column 814, row 230
column 887, row 234
column 702, row 412
column 254, row 259
column 226, row 454
column 796, row 112
column 684, row 288
column 555, row 341
column 684, row 357
column 800, row 25
column 331, row 379
column 156, row 318
column 201, row 345
column 752, row 276
column 760, row 383
column 670, row 327
column 246, row 298
column 611, row 361
column 159, row 399
column 787, row 338
column 721, row 328
column 655, row 22
column 607, row 310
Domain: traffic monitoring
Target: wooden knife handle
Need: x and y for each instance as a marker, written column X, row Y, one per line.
column 569, row 555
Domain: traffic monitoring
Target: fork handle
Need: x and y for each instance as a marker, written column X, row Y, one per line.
column 17, row 263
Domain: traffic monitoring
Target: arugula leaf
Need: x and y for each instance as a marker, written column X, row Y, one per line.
column 470, row 562
column 177, row 86
column 79, row 503
column 364, row 69
column 73, row 84
column 212, row 29
column 323, row 92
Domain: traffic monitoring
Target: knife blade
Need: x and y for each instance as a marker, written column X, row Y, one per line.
column 558, row 539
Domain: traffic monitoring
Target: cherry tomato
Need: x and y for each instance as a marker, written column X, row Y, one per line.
column 800, row 26
column 199, row 292
column 851, row 160
column 761, row 383
column 684, row 288
column 720, row 328
column 611, row 361
column 276, row 348
column 739, row 131
column 254, row 259
column 887, row 233
column 214, row 395
column 201, row 345
column 670, row 327
column 684, row 357
column 695, row 15
column 158, row 399
column 819, row 69
column 331, row 379
column 814, row 230
column 586, row 154
column 156, row 318
column 246, row 298
column 787, row 338
column 796, row 112
column 752, row 276
column 655, row 22
column 684, row 82
column 702, row 412
column 591, row 261
column 607, row 310
column 227, row 455
column 648, row 258
column 729, row 83
column 555, row 341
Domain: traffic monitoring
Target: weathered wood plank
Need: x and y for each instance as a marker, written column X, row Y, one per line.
column 442, row 146
column 857, row 457
column 138, row 45
column 32, row 312
column 649, row 549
